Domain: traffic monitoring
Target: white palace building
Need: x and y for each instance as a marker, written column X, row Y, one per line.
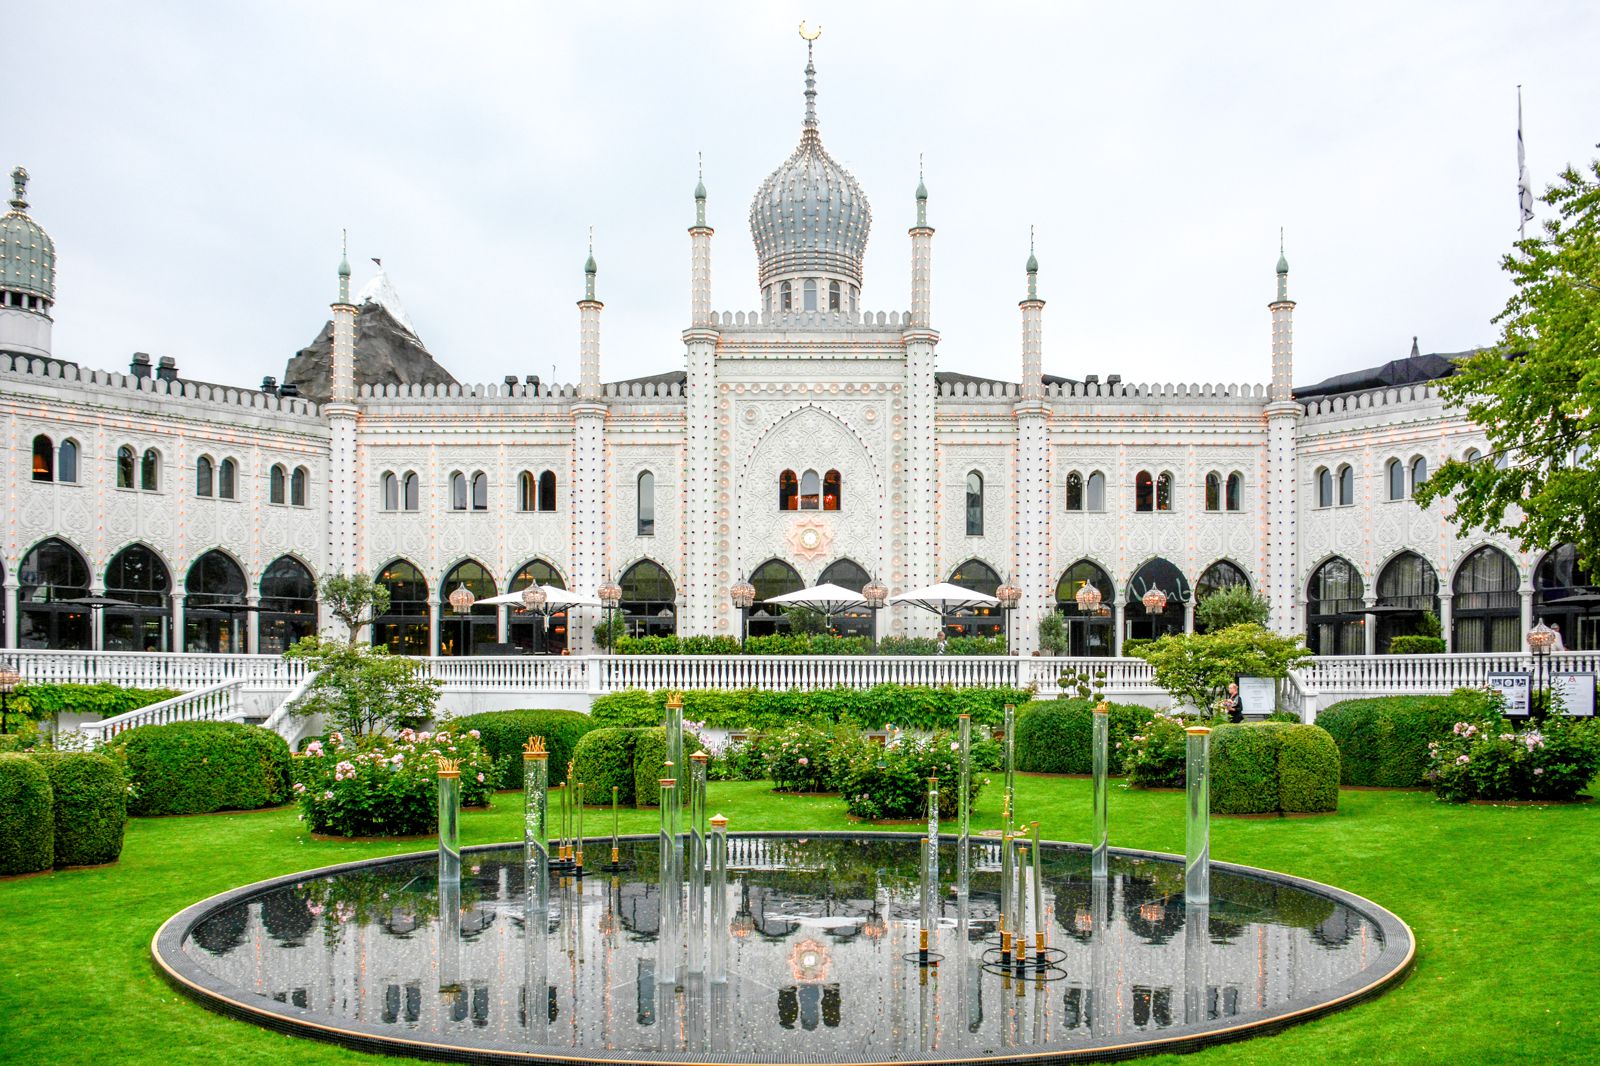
column 812, row 440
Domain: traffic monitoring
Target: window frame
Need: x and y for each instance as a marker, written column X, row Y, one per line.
column 975, row 503
column 205, row 477
column 644, row 500
column 300, row 487
column 150, row 471
column 1213, row 491
column 389, row 489
column 1346, row 485
column 278, row 485
column 44, row 452
column 547, row 492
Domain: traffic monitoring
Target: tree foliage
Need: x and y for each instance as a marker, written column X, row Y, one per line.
column 1236, row 605
column 1196, row 668
column 359, row 689
column 1536, row 393
column 354, row 599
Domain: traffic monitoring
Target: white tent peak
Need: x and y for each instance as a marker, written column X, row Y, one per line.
column 380, row 291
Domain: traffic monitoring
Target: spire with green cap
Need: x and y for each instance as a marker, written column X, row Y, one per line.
column 1283, row 269
column 922, row 196
column 700, row 194
column 589, row 269
column 1033, row 269
column 344, row 266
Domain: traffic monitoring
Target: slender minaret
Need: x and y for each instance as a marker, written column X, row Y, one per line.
column 344, row 550
column 588, row 552
column 918, row 564
column 703, row 601
column 1282, row 415
column 1031, row 549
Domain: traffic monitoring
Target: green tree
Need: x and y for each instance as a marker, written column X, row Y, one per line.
column 354, row 599
column 1053, row 638
column 1235, row 605
column 1196, row 668
column 1536, row 393
column 360, row 689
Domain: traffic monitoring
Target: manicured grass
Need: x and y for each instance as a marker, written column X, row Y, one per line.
column 1502, row 900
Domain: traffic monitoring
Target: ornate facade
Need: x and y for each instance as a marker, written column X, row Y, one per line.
column 810, row 439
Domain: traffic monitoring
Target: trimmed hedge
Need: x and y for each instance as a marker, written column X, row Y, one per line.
column 27, row 828
column 1417, row 645
column 603, row 759
column 44, row 699
column 649, row 764
column 1265, row 767
column 200, row 767
column 91, row 806
column 1384, row 741
column 503, row 733
column 917, row 707
column 1057, row 736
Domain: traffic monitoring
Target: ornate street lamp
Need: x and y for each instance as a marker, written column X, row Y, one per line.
column 742, row 595
column 876, row 593
column 9, row 680
column 1542, row 641
column 533, row 598
column 462, row 599
column 1155, row 601
column 1088, row 598
column 1009, row 596
column 610, row 596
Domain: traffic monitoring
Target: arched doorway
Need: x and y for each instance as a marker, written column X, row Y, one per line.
column 1485, row 608
column 1139, row 623
column 1091, row 633
column 288, row 605
column 1220, row 575
column 214, row 606
column 1562, row 588
column 772, row 578
column 53, row 572
column 460, row 634
column 403, row 629
column 1408, row 588
column 539, row 633
column 975, row 576
column 138, row 578
column 1335, row 624
column 848, row 574
column 649, row 601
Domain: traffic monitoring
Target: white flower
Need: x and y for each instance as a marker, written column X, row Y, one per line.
column 480, row 779
column 328, row 795
column 298, row 788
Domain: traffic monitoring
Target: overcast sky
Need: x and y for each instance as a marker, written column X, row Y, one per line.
column 196, row 162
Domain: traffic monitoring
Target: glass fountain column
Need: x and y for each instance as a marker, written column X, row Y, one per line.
column 1197, row 853
column 449, row 874
column 536, row 871
column 717, row 945
column 1100, row 845
column 697, row 861
column 670, row 888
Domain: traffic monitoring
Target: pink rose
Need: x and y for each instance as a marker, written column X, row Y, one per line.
column 480, row 779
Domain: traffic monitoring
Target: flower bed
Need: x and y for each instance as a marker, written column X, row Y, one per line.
column 891, row 781
column 1551, row 760
column 387, row 786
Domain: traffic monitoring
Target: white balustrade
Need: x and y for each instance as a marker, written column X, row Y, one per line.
column 213, row 703
column 1377, row 675
column 140, row 669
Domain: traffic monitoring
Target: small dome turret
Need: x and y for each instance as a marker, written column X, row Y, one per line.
column 27, row 254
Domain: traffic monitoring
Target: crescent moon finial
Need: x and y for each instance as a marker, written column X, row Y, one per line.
column 813, row 35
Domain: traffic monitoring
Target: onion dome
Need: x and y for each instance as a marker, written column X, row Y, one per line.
column 27, row 254
column 810, row 217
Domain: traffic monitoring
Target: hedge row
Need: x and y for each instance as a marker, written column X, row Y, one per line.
column 200, row 767
column 503, row 734
column 631, row 758
column 916, row 707
column 1264, row 767
column 60, row 809
column 1057, row 736
column 105, row 700
column 1384, row 741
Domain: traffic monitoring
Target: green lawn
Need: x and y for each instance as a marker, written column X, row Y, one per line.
column 1503, row 901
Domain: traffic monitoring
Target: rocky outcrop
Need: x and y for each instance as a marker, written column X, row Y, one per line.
column 386, row 354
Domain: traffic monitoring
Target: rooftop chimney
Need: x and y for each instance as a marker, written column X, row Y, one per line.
column 289, row 389
column 140, row 367
column 511, row 381
column 1113, row 379
column 167, row 368
column 269, row 384
column 1091, row 379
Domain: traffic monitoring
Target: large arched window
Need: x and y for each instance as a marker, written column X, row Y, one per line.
column 974, row 504
column 458, row 491
column 1213, row 491
column 139, row 579
column 1486, row 610
column 1347, row 485
column 1220, row 575
column 460, row 634
column 1141, row 624
column 150, row 470
column 1144, row 492
column 288, row 605
column 1087, row 633
column 204, row 476
column 298, row 483
column 227, row 478
column 543, row 632
column 391, row 491
column 975, row 576
column 126, row 460
column 527, row 491
column 810, row 491
column 404, row 629
column 832, row 491
column 788, row 491
column 772, row 578
column 1394, row 475
column 52, row 575
column 277, row 481
column 214, row 606
column 848, row 574
column 1074, row 491
column 1234, row 500
column 1556, row 581
column 547, row 491
column 1324, row 487
column 645, row 504
column 648, row 599
column 1335, row 624
column 1408, row 588
column 409, row 491
column 44, row 458
column 1095, row 492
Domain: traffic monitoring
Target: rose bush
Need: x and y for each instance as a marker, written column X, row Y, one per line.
column 1154, row 756
column 1553, row 759
column 802, row 757
column 380, row 785
column 891, row 780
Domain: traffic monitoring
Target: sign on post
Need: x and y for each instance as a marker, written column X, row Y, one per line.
column 1576, row 692
column 1258, row 695
column 1516, row 688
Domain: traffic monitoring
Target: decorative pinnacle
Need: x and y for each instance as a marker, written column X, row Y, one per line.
column 719, row 822
column 19, row 188
column 1283, row 270
column 1102, row 708
column 589, row 269
column 344, row 266
column 811, row 77
column 700, row 192
column 1032, row 268
column 449, row 767
column 700, row 756
column 534, row 749
column 675, row 699
column 922, row 196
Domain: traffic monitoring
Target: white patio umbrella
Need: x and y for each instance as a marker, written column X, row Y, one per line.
column 945, row 598
column 828, row 599
column 554, row 599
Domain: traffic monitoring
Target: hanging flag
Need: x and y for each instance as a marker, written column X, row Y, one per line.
column 1524, row 188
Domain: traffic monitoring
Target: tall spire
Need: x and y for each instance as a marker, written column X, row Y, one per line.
column 589, row 269
column 344, row 266
column 1283, row 269
column 811, row 79
column 19, row 188
column 700, row 193
column 1033, row 269
column 922, row 195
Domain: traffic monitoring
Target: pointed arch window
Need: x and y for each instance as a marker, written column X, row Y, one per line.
column 1324, row 487
column 832, row 491
column 835, row 296
column 975, row 575
column 1471, row 455
column 150, row 470
column 1234, row 500
column 975, row 505
column 1095, row 492
column 788, row 491
column 125, row 465
column 1087, row 633
column 1164, row 491
column 44, row 459
column 1074, row 491
column 214, row 605
column 203, row 476
column 1347, row 485
column 480, row 491
column 1144, row 492
column 227, row 479
column 391, row 491
column 409, row 486
column 543, row 632
column 404, row 629
column 460, row 634
column 458, row 491
column 527, row 491
column 52, row 574
column 67, row 466
column 1335, row 624
column 648, row 600
column 1419, row 473
column 810, row 291
column 646, row 504
column 1486, row 615
column 810, row 491
column 1395, row 475
column 772, row 578
column 288, row 605
column 276, row 482
column 547, row 491
column 1213, row 491
column 297, row 486
column 142, row 621
column 849, row 574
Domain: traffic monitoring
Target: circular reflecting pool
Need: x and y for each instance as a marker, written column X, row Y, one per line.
column 822, row 938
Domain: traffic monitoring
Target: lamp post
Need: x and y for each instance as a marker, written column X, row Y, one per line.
column 9, row 680
column 742, row 595
column 533, row 598
column 876, row 593
column 610, row 595
column 1009, row 596
column 1542, row 641
column 1088, row 600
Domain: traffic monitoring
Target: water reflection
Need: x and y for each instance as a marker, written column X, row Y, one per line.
column 820, row 931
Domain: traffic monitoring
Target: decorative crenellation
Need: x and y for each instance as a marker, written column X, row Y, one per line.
column 857, row 320
column 210, row 395
column 1361, row 401
column 1011, row 390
